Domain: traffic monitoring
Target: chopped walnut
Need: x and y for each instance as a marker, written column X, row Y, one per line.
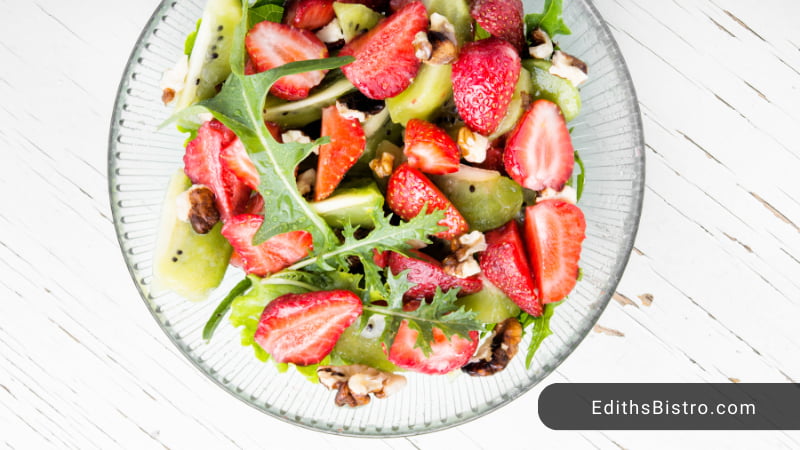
column 497, row 351
column 354, row 383
column 441, row 24
column 306, row 180
column 383, row 165
column 567, row 193
column 542, row 47
column 295, row 136
column 196, row 206
column 461, row 263
column 569, row 67
column 473, row 145
column 422, row 46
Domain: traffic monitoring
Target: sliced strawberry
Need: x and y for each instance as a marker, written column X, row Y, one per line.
column 539, row 151
column 430, row 149
column 484, row 77
column 271, row 44
column 501, row 18
column 272, row 255
column 234, row 157
column 446, row 354
column 428, row 274
column 202, row 165
column 308, row 14
column 554, row 231
column 303, row 328
column 505, row 264
column 385, row 56
column 408, row 191
column 338, row 156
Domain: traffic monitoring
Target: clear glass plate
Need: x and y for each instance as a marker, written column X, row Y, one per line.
column 141, row 158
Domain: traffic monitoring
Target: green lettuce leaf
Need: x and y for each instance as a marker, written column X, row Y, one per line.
column 539, row 329
column 550, row 19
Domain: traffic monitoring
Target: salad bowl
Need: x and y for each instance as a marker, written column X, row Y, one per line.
column 143, row 156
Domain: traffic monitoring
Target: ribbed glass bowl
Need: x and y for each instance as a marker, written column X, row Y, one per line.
column 141, row 158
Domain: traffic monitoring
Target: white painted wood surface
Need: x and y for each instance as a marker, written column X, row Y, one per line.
column 711, row 293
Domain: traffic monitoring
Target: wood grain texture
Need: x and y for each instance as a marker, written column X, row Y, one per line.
column 711, row 293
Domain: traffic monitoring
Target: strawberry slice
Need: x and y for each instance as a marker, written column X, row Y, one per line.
column 408, row 191
column 234, row 157
column 501, row 18
column 554, row 231
column 430, row 149
column 338, row 156
column 385, row 56
column 308, row 14
column 484, row 77
column 504, row 263
column 539, row 151
column 303, row 328
column 203, row 165
column 271, row 44
column 428, row 274
column 272, row 255
column 446, row 354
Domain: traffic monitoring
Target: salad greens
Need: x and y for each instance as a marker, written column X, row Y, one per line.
column 550, row 19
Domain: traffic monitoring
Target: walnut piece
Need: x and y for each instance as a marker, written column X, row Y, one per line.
column 461, row 263
column 306, row 181
column 383, row 165
column 355, row 383
column 542, row 47
column 473, row 145
column 437, row 46
column 569, row 67
column 196, row 206
column 497, row 351
column 567, row 193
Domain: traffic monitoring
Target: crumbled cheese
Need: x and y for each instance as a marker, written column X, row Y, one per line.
column 331, row 32
column 295, row 136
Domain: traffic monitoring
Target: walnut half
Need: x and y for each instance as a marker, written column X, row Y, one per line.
column 354, row 383
column 497, row 351
column 196, row 206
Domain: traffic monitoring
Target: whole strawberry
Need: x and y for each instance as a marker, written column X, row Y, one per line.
column 484, row 77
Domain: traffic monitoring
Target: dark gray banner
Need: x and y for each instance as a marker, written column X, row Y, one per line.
column 671, row 406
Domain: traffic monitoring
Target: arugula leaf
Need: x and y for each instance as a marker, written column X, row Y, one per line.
column 539, row 331
column 224, row 306
column 580, row 179
column 240, row 105
column 550, row 20
column 481, row 33
column 384, row 236
column 441, row 313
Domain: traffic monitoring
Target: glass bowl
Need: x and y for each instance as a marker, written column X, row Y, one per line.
column 141, row 158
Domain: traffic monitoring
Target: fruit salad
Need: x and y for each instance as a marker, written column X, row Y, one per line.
column 394, row 180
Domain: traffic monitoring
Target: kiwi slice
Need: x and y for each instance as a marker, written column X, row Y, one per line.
column 485, row 198
column 490, row 304
column 355, row 19
column 424, row 97
column 184, row 262
column 297, row 114
column 353, row 348
column 355, row 202
column 516, row 107
column 209, row 61
column 550, row 87
column 457, row 13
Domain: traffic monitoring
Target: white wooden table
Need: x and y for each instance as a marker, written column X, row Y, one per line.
column 711, row 293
